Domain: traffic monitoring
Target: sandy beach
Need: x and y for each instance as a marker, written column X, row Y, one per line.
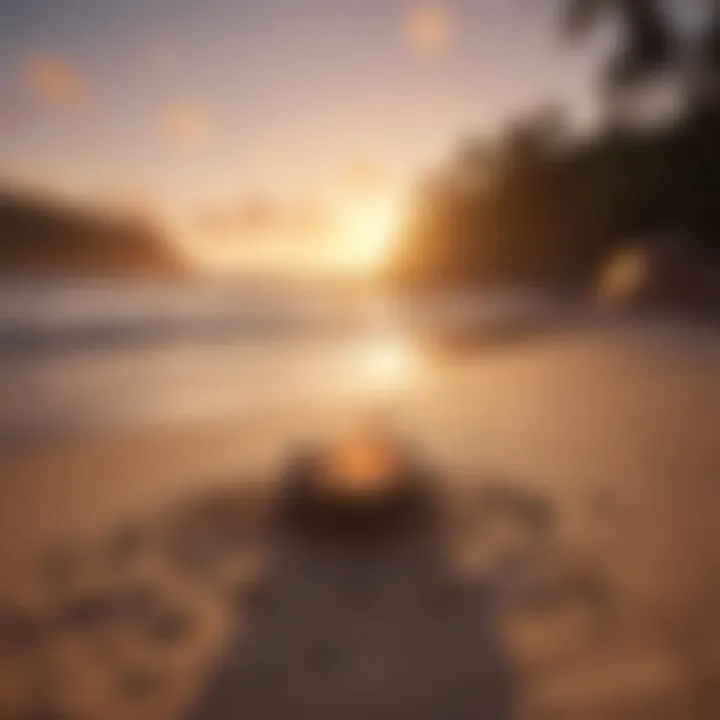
column 616, row 427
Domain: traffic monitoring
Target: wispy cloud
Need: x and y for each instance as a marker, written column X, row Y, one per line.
column 185, row 123
column 428, row 29
column 54, row 80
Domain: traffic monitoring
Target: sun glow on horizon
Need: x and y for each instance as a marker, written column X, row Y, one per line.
column 356, row 241
column 371, row 227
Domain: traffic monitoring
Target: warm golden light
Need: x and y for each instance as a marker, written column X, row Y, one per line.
column 365, row 465
column 371, row 225
column 387, row 363
column 624, row 275
column 354, row 238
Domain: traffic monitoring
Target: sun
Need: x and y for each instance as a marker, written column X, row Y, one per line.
column 369, row 229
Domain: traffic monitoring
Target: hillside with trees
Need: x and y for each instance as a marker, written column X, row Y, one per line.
column 40, row 237
column 542, row 204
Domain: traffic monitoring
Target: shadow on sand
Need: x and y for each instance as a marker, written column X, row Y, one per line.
column 411, row 625
column 360, row 629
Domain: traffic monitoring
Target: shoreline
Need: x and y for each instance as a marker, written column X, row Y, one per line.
column 616, row 429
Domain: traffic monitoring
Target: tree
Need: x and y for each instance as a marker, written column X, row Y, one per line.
column 705, row 80
column 650, row 48
column 650, row 44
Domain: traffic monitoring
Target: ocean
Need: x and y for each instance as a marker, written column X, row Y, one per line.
column 86, row 357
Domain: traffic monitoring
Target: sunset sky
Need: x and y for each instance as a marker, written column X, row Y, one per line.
column 251, row 123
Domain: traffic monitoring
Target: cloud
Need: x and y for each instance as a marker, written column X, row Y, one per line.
column 428, row 29
column 55, row 81
column 185, row 123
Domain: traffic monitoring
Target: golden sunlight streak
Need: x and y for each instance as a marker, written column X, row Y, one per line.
column 354, row 238
column 369, row 227
column 365, row 465
column 387, row 363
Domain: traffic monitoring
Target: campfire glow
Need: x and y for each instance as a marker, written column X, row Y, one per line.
column 365, row 465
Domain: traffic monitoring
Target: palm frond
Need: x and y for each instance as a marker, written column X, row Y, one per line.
column 581, row 15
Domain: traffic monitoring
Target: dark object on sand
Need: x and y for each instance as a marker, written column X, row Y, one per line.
column 88, row 613
column 136, row 601
column 358, row 615
column 126, row 546
column 170, row 626
column 206, row 533
column 46, row 714
column 368, row 489
column 58, row 567
column 534, row 510
column 515, row 522
column 553, row 587
column 20, row 631
column 141, row 683
column 671, row 273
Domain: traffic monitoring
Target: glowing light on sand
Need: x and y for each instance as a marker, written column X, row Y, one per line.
column 387, row 363
column 364, row 465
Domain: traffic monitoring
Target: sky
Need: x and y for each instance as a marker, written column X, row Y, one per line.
column 247, row 124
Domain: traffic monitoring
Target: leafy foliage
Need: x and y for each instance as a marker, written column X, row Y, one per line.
column 550, row 206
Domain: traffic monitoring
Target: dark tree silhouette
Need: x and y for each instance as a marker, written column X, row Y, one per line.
column 543, row 205
column 44, row 236
column 649, row 41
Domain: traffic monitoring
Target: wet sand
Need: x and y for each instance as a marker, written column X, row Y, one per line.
column 617, row 429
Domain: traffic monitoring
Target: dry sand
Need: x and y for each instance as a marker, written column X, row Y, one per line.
column 618, row 429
